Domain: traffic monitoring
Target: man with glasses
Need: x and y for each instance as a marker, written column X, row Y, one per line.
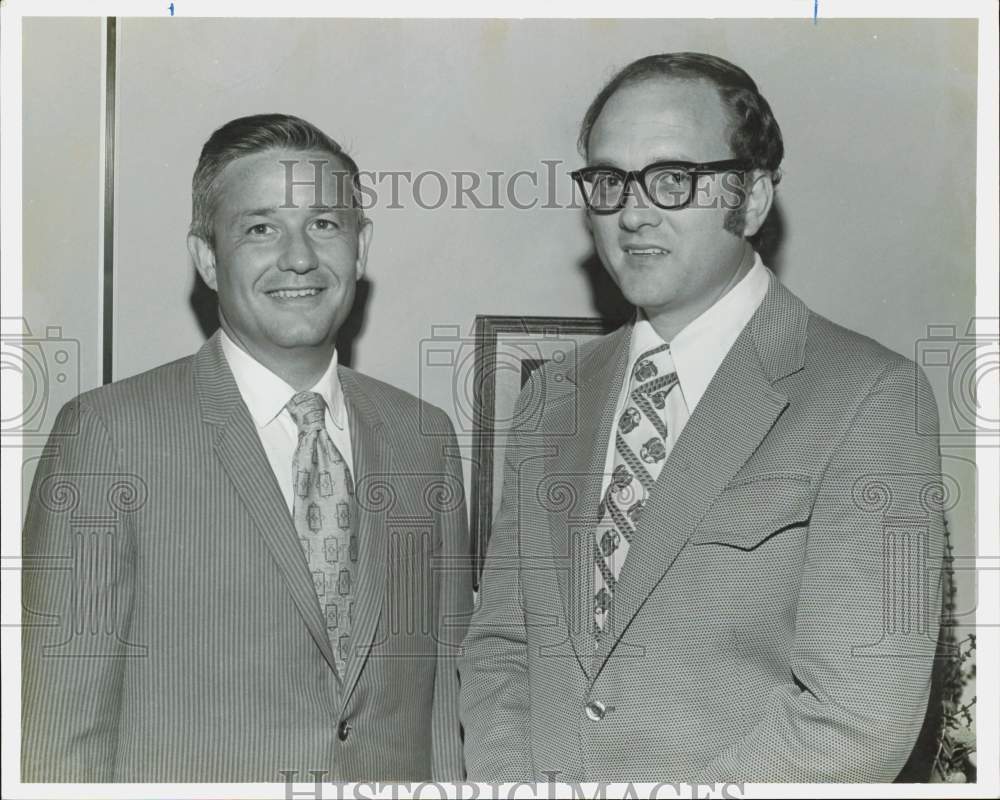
column 691, row 577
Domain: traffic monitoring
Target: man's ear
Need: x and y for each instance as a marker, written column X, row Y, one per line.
column 757, row 204
column 364, row 241
column 203, row 257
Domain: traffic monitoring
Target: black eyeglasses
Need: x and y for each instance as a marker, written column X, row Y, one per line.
column 668, row 184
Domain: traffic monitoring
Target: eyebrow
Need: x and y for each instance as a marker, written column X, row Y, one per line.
column 272, row 210
column 256, row 212
column 683, row 158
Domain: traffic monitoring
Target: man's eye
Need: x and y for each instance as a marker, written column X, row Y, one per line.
column 260, row 229
column 676, row 177
column 607, row 180
column 324, row 224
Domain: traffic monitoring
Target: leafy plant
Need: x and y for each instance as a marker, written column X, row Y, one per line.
column 955, row 760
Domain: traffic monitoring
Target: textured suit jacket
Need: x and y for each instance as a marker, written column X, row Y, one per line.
column 776, row 617
column 172, row 629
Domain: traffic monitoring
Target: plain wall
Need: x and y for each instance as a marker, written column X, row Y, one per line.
column 60, row 173
column 876, row 207
column 876, row 201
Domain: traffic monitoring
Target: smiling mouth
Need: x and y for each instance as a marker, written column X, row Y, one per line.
column 292, row 294
column 645, row 251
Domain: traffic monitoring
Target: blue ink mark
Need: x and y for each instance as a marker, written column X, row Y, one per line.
column 171, row 8
column 815, row 10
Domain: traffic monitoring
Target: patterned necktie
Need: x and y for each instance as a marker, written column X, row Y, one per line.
column 641, row 447
column 324, row 520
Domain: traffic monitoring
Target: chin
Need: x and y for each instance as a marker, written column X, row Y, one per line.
column 303, row 338
column 648, row 297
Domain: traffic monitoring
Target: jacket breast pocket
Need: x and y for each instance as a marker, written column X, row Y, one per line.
column 749, row 513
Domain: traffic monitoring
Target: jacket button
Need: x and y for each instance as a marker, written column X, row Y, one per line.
column 343, row 731
column 595, row 710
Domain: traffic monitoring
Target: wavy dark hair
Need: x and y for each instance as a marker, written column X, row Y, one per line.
column 248, row 136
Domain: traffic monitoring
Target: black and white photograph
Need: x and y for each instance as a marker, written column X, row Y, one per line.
column 516, row 401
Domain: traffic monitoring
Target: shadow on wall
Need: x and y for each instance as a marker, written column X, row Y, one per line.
column 770, row 238
column 609, row 304
column 205, row 307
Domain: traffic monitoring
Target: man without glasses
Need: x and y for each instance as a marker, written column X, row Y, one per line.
column 721, row 601
column 257, row 581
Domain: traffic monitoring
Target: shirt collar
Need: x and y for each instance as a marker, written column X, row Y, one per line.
column 699, row 348
column 266, row 395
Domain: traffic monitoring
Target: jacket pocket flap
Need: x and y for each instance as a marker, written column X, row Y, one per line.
column 751, row 511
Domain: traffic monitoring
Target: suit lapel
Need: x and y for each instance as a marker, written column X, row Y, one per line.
column 589, row 411
column 371, row 463
column 239, row 451
column 738, row 410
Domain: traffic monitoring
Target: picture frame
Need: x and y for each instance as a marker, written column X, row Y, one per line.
column 507, row 350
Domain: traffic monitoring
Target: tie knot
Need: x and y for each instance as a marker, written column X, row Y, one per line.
column 655, row 363
column 307, row 410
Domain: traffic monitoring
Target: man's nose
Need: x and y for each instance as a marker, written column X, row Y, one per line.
column 298, row 255
column 638, row 210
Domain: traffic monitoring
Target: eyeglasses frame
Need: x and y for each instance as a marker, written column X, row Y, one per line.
column 638, row 176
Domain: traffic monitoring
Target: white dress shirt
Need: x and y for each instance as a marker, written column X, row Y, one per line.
column 697, row 350
column 266, row 396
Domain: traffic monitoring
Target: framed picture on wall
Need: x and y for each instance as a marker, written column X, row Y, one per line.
column 508, row 350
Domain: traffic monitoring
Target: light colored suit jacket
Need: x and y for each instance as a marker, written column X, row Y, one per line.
column 777, row 614
column 172, row 631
